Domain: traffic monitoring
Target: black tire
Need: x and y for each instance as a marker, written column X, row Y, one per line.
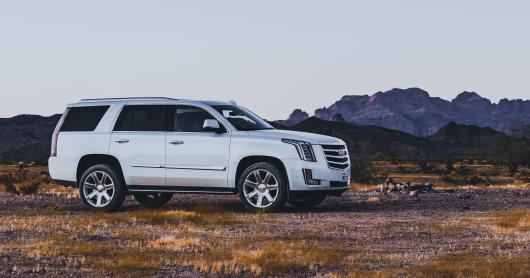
column 153, row 200
column 309, row 202
column 280, row 181
column 117, row 194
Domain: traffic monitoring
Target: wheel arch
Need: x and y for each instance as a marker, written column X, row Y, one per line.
column 249, row 160
column 90, row 160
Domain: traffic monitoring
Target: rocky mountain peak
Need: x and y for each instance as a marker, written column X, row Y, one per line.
column 410, row 92
column 296, row 116
column 466, row 96
column 414, row 111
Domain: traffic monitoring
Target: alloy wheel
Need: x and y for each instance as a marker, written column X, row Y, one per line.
column 98, row 189
column 260, row 188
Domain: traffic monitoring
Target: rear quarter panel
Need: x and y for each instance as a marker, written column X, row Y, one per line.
column 72, row 146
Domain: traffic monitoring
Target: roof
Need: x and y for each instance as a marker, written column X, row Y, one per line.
column 207, row 102
column 125, row 98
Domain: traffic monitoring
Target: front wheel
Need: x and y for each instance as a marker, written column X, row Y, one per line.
column 153, row 200
column 262, row 187
column 101, row 188
column 309, row 202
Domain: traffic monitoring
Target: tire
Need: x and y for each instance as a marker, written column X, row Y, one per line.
column 270, row 187
column 309, row 202
column 153, row 200
column 101, row 189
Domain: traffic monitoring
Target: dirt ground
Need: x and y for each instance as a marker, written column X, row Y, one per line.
column 464, row 232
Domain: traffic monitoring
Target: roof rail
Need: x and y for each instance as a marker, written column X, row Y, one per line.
column 126, row 98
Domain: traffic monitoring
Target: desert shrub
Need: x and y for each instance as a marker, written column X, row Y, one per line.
column 523, row 175
column 425, row 166
column 18, row 182
column 449, row 165
column 7, row 182
column 495, row 172
column 450, row 179
column 470, row 180
column 23, row 188
column 463, row 170
column 475, row 179
column 363, row 170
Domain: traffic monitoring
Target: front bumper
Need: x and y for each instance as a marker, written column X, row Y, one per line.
column 331, row 180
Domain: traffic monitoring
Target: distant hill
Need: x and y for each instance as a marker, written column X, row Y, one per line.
column 453, row 140
column 26, row 138
column 414, row 111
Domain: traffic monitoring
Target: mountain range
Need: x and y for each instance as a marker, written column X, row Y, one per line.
column 414, row 111
column 27, row 138
column 387, row 125
column 452, row 141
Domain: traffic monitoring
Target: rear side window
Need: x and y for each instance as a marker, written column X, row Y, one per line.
column 141, row 118
column 84, row 118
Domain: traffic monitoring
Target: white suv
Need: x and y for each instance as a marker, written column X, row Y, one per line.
column 154, row 147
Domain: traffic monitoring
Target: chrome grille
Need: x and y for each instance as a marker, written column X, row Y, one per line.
column 336, row 156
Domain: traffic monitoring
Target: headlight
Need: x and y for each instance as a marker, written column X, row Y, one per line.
column 304, row 149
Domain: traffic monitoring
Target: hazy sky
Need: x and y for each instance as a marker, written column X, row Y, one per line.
column 270, row 56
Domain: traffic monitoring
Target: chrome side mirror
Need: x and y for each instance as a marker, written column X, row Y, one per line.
column 211, row 125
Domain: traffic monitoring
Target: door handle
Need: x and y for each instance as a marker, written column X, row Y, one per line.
column 176, row 142
column 121, row 141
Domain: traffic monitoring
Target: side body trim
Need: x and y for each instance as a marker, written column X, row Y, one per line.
column 182, row 189
column 208, row 168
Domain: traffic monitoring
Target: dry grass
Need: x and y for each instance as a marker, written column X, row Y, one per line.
column 126, row 243
column 174, row 244
column 267, row 255
column 143, row 242
column 213, row 240
column 472, row 265
column 102, row 256
column 514, row 220
column 30, row 180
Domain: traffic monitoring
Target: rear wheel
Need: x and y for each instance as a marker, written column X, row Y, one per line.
column 262, row 187
column 153, row 200
column 308, row 202
column 101, row 188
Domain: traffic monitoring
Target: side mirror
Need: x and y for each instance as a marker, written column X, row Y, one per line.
column 211, row 125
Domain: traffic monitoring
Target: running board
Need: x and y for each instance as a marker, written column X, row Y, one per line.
column 181, row 189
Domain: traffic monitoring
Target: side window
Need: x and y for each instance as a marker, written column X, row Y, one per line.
column 141, row 118
column 85, row 118
column 190, row 119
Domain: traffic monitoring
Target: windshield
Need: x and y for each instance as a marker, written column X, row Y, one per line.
column 241, row 118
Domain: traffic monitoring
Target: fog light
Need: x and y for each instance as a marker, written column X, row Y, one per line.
column 308, row 177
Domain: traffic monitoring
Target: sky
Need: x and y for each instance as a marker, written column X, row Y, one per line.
column 269, row 56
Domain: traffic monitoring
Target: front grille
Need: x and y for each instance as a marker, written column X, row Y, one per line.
column 336, row 156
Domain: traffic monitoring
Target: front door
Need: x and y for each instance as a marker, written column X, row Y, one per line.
column 195, row 157
column 139, row 142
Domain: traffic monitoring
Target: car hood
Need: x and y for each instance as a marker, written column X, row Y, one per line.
column 313, row 138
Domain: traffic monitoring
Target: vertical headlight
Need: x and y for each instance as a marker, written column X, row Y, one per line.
column 304, row 149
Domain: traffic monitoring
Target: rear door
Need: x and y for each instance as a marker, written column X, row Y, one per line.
column 139, row 142
column 195, row 157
